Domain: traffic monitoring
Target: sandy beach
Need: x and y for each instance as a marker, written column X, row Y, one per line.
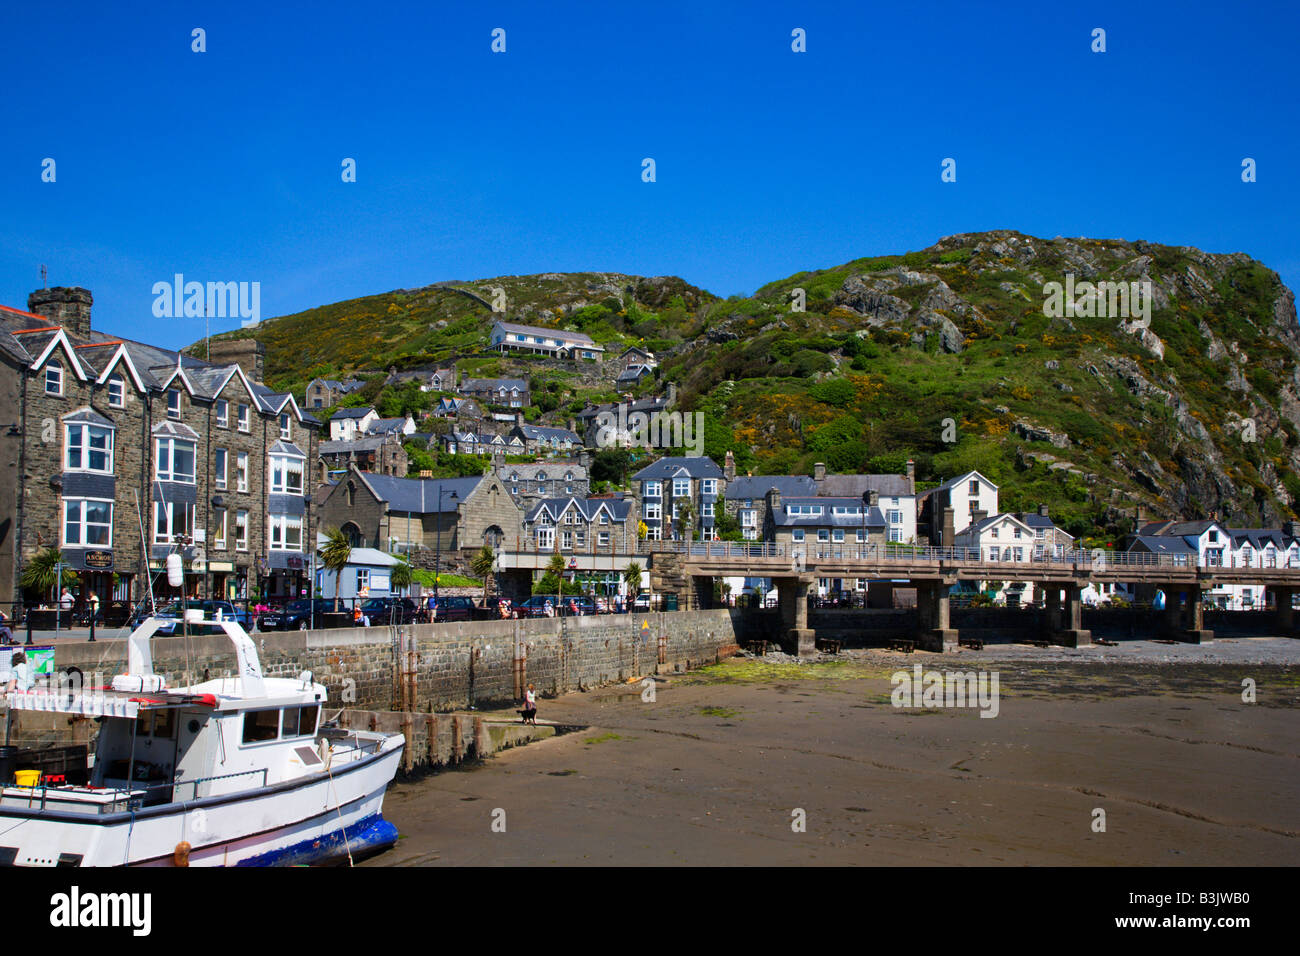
column 720, row 765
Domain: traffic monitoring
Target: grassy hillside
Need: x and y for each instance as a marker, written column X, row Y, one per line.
column 944, row 355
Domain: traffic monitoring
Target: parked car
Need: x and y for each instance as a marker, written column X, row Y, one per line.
column 173, row 612
column 641, row 602
column 490, row 610
column 294, row 616
column 449, row 608
column 535, row 606
column 388, row 610
column 579, row 604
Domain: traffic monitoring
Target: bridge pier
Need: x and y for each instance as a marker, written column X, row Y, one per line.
column 1283, row 615
column 934, row 626
column 1072, row 633
column 1185, row 617
column 792, row 595
column 1052, row 606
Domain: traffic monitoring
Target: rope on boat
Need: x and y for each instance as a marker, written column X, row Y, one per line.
column 339, row 809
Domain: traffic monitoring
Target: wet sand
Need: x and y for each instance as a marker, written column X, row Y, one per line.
column 711, row 771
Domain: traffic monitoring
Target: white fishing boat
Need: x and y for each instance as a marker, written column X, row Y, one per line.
column 237, row 771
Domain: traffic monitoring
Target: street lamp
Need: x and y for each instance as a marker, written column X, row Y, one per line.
column 437, row 559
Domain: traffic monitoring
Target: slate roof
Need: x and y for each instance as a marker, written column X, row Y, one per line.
column 667, row 468
column 1162, row 544
column 551, row 471
column 493, row 384
column 545, row 433
column 579, row 337
column 952, row 482
column 827, row 519
column 420, row 495
column 343, row 447
column 855, row 486
column 589, row 508
column 744, row 487
column 346, row 413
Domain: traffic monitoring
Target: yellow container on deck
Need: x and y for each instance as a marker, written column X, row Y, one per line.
column 27, row 778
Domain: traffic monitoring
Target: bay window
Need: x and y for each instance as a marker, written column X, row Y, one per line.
column 175, row 460
column 286, row 475
column 87, row 521
column 88, row 448
column 173, row 521
column 286, row 532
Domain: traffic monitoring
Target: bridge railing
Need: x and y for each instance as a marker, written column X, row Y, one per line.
column 993, row 556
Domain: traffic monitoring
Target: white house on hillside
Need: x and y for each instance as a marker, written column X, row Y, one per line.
column 506, row 336
column 349, row 424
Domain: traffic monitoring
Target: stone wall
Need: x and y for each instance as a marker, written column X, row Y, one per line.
column 451, row 666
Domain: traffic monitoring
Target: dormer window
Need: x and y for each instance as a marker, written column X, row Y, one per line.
column 173, row 403
column 284, row 426
column 54, row 379
column 116, row 392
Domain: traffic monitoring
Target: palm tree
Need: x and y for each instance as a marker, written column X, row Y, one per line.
column 40, row 573
column 335, row 555
column 481, row 564
column 556, row 566
column 401, row 574
column 632, row 576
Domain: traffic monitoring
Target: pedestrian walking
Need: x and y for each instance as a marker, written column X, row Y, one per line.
column 529, row 713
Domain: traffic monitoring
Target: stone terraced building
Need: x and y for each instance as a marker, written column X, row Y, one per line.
column 102, row 435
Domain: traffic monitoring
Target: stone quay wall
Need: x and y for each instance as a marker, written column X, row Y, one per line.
column 443, row 667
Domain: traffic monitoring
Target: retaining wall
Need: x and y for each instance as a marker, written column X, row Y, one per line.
column 443, row 667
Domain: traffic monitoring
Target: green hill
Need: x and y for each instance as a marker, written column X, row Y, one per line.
column 944, row 355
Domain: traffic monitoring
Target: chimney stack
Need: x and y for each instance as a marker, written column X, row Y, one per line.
column 948, row 532
column 911, row 477
column 1139, row 518
column 773, row 501
column 519, row 418
column 248, row 354
column 729, row 467
column 873, row 498
column 67, row 307
column 671, row 395
column 1291, row 529
column 819, row 472
column 977, row 515
column 1042, row 511
column 573, row 425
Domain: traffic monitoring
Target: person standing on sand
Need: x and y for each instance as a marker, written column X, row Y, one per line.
column 530, row 706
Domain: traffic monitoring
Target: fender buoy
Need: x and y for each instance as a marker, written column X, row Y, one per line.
column 181, row 855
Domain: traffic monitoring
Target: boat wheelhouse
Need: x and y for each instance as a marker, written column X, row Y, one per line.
column 237, row 771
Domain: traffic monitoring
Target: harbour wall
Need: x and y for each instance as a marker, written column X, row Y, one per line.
column 444, row 667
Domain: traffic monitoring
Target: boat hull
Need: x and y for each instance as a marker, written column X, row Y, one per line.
column 313, row 821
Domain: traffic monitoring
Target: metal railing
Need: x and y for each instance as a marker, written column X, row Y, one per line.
column 135, row 797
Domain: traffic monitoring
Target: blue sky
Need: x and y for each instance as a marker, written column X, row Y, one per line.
column 225, row 165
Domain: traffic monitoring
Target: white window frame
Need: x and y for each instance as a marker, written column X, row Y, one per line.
column 57, row 379
column 241, row 471
column 654, row 489
column 245, row 418
column 241, row 530
column 223, row 413
column 709, row 486
column 168, row 508
column 220, row 467
column 83, row 524
column 286, row 426
column 86, row 431
column 681, row 487
column 280, row 468
column 363, row 579
column 116, row 386
column 278, row 527
column 174, row 399
column 221, row 520
column 654, row 512
column 797, row 534
column 171, row 445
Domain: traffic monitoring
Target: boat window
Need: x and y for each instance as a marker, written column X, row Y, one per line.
column 261, row 725
column 164, row 723
column 299, row 721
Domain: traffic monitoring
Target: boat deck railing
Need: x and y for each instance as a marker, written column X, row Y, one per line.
column 105, row 800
